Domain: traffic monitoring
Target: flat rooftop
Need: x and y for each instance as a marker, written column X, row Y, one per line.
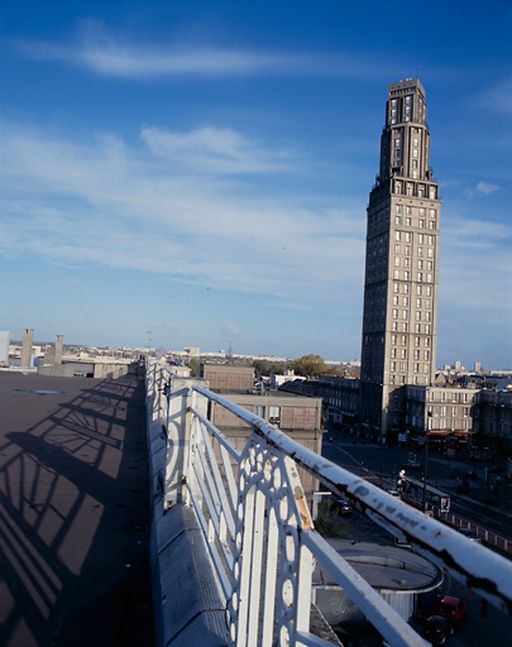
column 74, row 513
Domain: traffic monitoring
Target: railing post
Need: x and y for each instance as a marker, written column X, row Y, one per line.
column 182, row 399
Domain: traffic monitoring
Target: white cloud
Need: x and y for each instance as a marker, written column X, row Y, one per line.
column 214, row 150
column 476, row 272
column 482, row 189
column 110, row 204
column 498, row 96
column 98, row 51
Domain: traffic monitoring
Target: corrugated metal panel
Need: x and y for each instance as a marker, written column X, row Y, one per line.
column 402, row 603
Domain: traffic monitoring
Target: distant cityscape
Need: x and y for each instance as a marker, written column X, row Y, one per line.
column 464, row 408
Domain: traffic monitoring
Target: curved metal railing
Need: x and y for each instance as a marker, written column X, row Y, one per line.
column 251, row 507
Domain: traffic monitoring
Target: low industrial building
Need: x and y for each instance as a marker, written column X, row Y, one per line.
column 298, row 416
column 403, row 578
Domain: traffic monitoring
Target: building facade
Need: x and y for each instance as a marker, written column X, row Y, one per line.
column 440, row 412
column 401, row 274
column 494, row 425
column 340, row 397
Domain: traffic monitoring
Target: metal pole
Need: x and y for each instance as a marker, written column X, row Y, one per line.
column 425, row 475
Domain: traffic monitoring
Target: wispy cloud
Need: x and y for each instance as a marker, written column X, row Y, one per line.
column 110, row 204
column 498, row 96
column 476, row 271
column 100, row 52
column 214, row 150
column 482, row 189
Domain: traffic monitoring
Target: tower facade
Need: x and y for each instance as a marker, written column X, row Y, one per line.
column 401, row 273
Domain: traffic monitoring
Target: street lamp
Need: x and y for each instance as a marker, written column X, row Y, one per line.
column 425, row 471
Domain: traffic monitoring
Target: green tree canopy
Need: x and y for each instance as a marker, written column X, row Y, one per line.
column 267, row 367
column 311, row 366
column 194, row 366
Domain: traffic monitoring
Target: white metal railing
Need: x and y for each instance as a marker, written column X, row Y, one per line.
column 250, row 504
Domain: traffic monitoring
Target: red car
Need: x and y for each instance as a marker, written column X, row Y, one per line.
column 453, row 608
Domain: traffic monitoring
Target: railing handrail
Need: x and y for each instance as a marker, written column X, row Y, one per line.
column 238, row 494
column 470, row 560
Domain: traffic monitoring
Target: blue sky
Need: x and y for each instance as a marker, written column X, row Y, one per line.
column 201, row 170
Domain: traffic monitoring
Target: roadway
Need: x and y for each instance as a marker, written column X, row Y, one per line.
column 381, row 463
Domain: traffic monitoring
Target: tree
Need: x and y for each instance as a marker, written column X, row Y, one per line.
column 266, row 367
column 194, row 365
column 310, row 366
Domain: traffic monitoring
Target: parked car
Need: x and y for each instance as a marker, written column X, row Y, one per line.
column 438, row 629
column 453, row 608
column 393, row 492
column 341, row 506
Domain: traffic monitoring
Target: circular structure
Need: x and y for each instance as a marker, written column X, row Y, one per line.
column 399, row 575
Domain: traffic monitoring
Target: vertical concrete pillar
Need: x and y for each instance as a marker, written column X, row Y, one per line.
column 26, row 348
column 4, row 346
column 59, row 349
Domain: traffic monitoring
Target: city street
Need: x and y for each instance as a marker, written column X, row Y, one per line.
column 378, row 462
column 372, row 461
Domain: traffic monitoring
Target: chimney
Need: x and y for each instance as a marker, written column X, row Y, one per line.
column 59, row 349
column 26, row 348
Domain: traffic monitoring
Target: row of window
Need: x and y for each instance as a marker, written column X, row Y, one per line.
column 419, row 328
column 453, row 424
column 420, row 289
column 447, row 396
column 397, row 141
column 407, row 237
column 405, row 302
column 431, row 224
column 404, row 261
column 401, row 353
column 405, row 275
column 409, row 211
column 401, row 379
column 402, row 340
column 414, row 188
column 419, row 315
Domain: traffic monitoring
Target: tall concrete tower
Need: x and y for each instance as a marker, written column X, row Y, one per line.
column 26, row 347
column 401, row 275
column 59, row 349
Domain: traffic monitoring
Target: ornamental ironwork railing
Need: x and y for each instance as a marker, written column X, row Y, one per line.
column 250, row 505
